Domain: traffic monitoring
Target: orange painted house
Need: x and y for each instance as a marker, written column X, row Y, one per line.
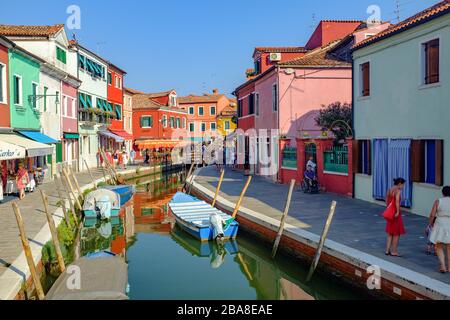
column 202, row 114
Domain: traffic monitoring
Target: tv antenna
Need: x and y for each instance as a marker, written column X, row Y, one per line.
column 314, row 22
column 397, row 10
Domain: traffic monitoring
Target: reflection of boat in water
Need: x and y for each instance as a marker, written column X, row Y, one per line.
column 125, row 192
column 199, row 248
column 198, row 218
column 101, row 203
column 101, row 277
column 102, row 236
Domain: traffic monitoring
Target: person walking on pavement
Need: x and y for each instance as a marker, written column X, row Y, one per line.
column 395, row 227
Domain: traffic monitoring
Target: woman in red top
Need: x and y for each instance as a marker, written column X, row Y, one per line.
column 395, row 227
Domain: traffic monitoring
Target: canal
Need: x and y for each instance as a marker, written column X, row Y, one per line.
column 166, row 263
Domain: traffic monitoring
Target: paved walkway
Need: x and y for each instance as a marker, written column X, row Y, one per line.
column 34, row 218
column 357, row 224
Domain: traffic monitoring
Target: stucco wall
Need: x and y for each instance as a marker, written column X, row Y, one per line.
column 399, row 107
column 51, row 117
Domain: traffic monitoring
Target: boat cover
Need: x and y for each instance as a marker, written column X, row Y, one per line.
column 99, row 197
column 101, row 278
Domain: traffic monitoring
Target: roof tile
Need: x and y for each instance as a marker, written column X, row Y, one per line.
column 30, row 31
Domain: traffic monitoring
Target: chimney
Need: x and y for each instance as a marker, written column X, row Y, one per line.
column 215, row 91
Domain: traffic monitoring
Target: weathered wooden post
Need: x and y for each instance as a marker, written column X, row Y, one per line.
column 283, row 219
column 90, row 174
column 51, row 224
column 244, row 266
column 28, row 254
column 238, row 204
column 322, row 241
column 70, row 172
column 218, row 187
column 66, row 176
column 72, row 205
column 189, row 187
column 63, row 202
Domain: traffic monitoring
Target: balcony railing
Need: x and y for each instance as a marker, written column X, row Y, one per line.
column 336, row 159
column 290, row 158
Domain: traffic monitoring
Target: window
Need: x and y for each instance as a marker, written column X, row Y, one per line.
column 213, row 126
column 239, row 108
column 203, row 127
column 257, row 103
column 116, row 78
column 17, row 83
column 120, row 83
column 212, row 111
column 431, row 61
column 251, row 103
column 362, row 159
column 45, row 98
column 227, row 125
column 2, row 83
column 34, row 92
column 172, row 122
column 200, row 111
column 118, row 112
column 257, row 66
column 147, row 122
column 184, row 123
column 191, row 110
column 178, row 126
column 173, row 100
column 275, row 97
column 164, row 121
column 59, row 99
column 427, row 161
column 365, row 79
column 191, row 127
column 368, row 35
column 109, row 78
column 61, row 55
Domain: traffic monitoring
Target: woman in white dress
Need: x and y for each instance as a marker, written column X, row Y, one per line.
column 440, row 222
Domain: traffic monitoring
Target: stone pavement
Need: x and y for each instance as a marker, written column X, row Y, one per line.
column 34, row 218
column 356, row 224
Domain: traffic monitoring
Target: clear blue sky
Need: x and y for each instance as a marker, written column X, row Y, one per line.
column 194, row 46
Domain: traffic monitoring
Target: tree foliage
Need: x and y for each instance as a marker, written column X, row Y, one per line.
column 337, row 118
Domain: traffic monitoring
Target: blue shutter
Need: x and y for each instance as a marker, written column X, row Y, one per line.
column 430, row 158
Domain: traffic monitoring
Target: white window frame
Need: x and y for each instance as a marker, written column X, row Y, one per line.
column 116, row 81
column 275, row 105
column 4, row 88
column 203, row 111
column 20, row 104
column 184, row 123
column 65, row 106
column 193, row 126
column 210, row 111
column 193, row 111
column 368, row 35
column 146, row 116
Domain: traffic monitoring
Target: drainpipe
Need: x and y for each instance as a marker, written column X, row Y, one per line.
column 353, row 123
column 278, row 124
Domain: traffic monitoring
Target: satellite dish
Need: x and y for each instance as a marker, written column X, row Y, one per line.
column 289, row 71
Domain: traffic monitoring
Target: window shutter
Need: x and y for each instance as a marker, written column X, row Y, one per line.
column 365, row 68
column 433, row 61
column 357, row 168
column 439, row 162
column 369, row 157
column 417, row 161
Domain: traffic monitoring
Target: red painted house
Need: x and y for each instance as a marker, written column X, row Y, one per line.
column 158, row 121
column 330, row 30
column 5, row 44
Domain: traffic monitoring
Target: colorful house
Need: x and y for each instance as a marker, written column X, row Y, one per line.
column 401, row 95
column 5, row 44
column 283, row 102
column 115, row 98
column 227, row 119
column 158, row 121
column 94, row 111
column 128, row 116
column 202, row 114
column 50, row 43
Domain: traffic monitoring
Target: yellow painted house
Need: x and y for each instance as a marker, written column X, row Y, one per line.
column 226, row 119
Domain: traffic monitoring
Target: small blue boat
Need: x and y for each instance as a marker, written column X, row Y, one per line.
column 193, row 216
column 124, row 191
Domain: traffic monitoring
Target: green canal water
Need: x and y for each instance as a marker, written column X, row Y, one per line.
column 166, row 263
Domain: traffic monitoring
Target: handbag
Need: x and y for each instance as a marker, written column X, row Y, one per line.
column 389, row 213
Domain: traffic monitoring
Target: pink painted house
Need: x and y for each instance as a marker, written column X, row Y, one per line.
column 287, row 97
column 69, row 120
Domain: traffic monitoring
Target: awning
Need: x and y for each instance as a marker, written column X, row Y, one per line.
column 9, row 151
column 112, row 136
column 153, row 144
column 38, row 137
column 123, row 134
column 34, row 149
column 69, row 135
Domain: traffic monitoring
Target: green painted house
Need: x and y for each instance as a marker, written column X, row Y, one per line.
column 24, row 70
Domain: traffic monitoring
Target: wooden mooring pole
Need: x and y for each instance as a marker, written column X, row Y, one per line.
column 187, row 176
column 283, row 219
column 90, row 174
column 69, row 184
column 28, row 254
column 222, row 173
column 63, row 202
column 54, row 233
column 77, row 185
column 322, row 241
column 238, row 204
column 71, row 203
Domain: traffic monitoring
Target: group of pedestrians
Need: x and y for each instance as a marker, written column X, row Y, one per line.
column 437, row 230
column 116, row 158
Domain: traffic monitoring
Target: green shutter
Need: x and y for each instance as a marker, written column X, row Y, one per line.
column 99, row 103
column 82, row 102
column 58, row 152
column 45, row 98
column 151, row 122
column 89, row 101
column 119, row 113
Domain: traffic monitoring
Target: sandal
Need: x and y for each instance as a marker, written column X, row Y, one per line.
column 442, row 271
column 396, row 255
column 387, row 253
